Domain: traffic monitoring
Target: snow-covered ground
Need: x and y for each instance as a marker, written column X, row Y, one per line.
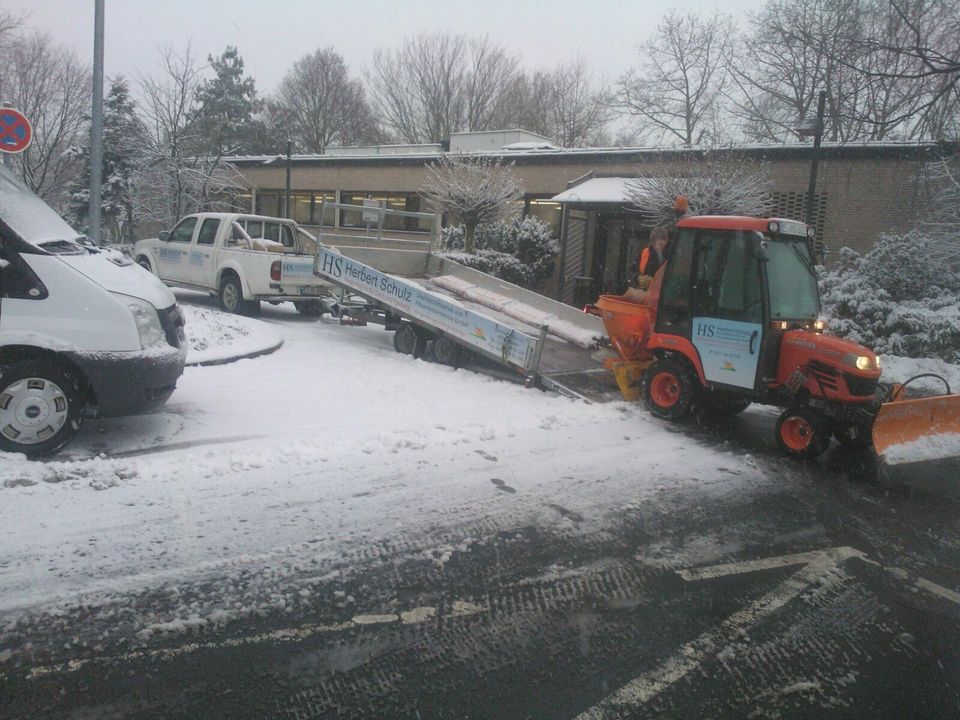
column 259, row 472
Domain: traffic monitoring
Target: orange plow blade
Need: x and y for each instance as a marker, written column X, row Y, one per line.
column 918, row 430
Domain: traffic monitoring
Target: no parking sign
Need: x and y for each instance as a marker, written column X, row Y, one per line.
column 15, row 131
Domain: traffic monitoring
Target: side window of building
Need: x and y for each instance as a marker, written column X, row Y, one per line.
column 183, row 232
column 17, row 280
column 208, row 231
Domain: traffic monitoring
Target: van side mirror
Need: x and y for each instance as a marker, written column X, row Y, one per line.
column 165, row 236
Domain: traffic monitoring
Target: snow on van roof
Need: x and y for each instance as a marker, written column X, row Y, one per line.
column 28, row 215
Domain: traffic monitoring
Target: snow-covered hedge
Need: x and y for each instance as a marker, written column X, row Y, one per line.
column 896, row 299
column 521, row 252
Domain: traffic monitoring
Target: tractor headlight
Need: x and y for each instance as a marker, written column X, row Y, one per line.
column 819, row 325
column 861, row 362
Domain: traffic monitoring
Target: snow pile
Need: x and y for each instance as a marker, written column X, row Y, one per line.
column 895, row 299
column 215, row 336
column 518, row 310
column 932, row 447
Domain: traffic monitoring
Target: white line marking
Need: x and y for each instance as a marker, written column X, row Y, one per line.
column 943, row 592
column 460, row 608
column 693, row 653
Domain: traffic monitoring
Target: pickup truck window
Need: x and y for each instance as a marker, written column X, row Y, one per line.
column 183, row 232
column 286, row 236
column 271, row 231
column 254, row 228
column 208, row 231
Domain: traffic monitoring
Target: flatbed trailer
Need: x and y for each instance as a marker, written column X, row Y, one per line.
column 434, row 303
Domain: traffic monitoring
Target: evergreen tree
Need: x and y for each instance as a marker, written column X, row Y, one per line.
column 223, row 122
column 122, row 136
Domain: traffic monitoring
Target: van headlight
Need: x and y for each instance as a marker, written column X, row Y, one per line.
column 147, row 321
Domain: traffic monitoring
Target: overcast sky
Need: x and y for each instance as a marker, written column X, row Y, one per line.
column 271, row 36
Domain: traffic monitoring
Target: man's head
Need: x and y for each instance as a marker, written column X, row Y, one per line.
column 658, row 238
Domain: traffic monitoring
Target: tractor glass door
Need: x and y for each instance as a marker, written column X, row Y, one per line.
column 727, row 296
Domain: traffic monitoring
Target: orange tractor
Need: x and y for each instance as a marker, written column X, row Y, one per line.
column 732, row 318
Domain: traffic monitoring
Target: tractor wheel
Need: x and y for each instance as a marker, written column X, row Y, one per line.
column 409, row 340
column 801, row 434
column 668, row 390
column 40, row 408
column 446, row 352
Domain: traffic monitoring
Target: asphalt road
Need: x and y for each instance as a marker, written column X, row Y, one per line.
column 842, row 603
column 839, row 598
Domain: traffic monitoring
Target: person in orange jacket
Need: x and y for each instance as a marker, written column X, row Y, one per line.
column 655, row 254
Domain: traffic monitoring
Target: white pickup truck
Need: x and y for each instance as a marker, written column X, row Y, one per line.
column 242, row 259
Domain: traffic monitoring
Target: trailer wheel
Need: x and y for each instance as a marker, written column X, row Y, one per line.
column 800, row 434
column 668, row 390
column 446, row 351
column 309, row 308
column 409, row 340
column 40, row 408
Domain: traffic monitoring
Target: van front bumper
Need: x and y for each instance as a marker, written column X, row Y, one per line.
column 124, row 383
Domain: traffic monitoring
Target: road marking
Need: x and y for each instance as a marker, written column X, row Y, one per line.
column 815, row 565
column 459, row 608
column 943, row 592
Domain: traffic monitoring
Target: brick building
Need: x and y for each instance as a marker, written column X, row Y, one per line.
column 862, row 191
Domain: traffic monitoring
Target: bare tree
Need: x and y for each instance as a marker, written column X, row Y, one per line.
column 941, row 222
column 180, row 172
column 472, row 190
column 322, row 104
column 435, row 85
column 563, row 104
column 51, row 87
column 714, row 185
column 676, row 93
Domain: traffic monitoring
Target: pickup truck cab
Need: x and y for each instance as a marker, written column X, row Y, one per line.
column 241, row 258
column 83, row 330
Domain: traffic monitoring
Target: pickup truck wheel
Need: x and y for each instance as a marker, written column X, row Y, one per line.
column 144, row 262
column 409, row 340
column 40, row 408
column 231, row 294
column 668, row 390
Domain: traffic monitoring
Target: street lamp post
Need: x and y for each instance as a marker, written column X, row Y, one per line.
column 813, row 128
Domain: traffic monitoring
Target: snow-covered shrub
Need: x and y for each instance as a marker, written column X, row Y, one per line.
column 895, row 299
column 521, row 251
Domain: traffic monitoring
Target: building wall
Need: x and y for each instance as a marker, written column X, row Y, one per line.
column 865, row 191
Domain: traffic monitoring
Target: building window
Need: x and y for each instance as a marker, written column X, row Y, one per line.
column 546, row 210
column 305, row 205
column 409, row 202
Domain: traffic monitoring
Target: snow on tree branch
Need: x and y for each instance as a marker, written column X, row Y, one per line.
column 714, row 186
column 472, row 191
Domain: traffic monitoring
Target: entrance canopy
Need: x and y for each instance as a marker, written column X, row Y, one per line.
column 613, row 190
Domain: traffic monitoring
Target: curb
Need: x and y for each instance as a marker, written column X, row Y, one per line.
column 245, row 356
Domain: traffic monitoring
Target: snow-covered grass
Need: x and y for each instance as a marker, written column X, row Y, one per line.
column 215, row 336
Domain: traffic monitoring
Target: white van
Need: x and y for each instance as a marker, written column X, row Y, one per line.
column 83, row 331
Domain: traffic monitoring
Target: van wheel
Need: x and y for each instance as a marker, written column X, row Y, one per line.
column 668, row 390
column 144, row 262
column 40, row 408
column 409, row 340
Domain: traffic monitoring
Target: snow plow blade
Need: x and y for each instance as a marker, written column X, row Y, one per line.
column 918, row 430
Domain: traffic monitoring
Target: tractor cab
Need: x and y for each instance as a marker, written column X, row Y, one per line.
column 732, row 287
